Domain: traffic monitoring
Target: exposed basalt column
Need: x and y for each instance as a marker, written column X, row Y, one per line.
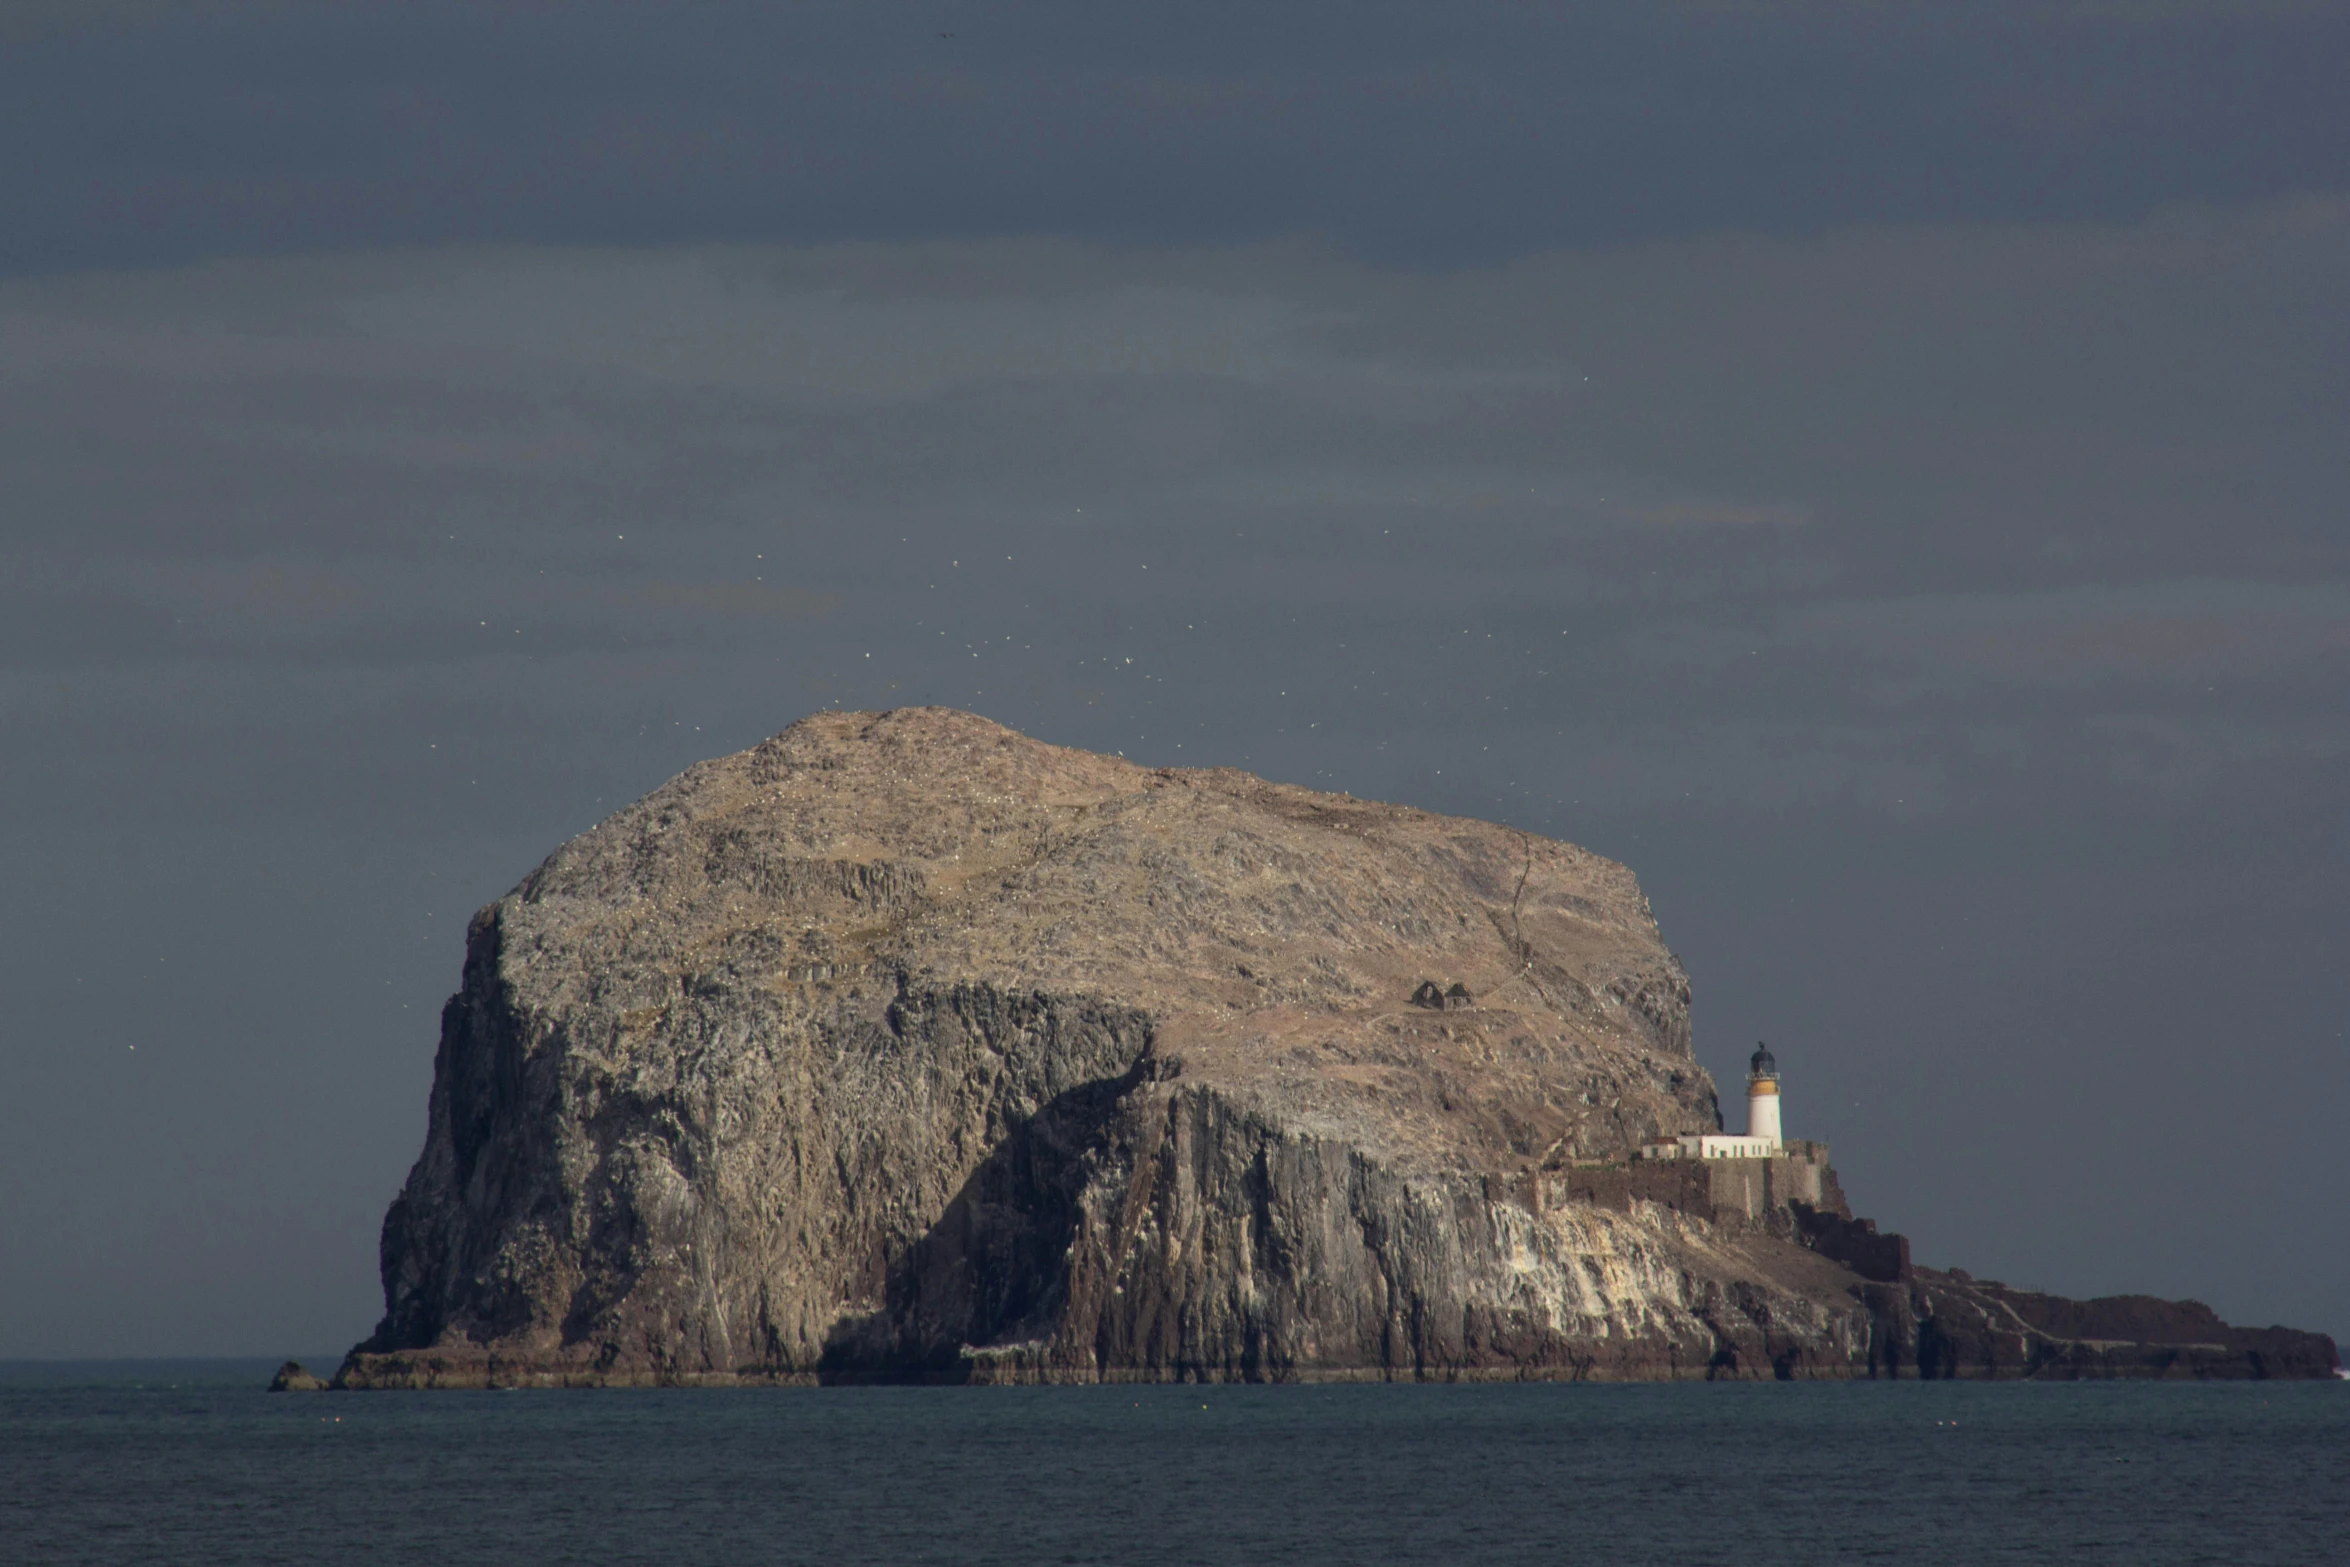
column 903, row 1047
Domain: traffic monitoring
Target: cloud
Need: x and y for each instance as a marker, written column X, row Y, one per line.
column 2171, row 632
column 138, row 134
column 1896, row 480
column 749, row 599
column 2183, row 761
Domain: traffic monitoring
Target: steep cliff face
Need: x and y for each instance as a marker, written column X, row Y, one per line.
column 902, row 1045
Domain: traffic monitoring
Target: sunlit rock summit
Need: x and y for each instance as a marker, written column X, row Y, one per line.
column 903, row 1046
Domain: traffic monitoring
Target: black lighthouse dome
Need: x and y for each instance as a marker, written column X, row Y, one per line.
column 1764, row 1065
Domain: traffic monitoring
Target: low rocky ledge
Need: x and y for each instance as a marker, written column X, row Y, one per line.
column 1961, row 1326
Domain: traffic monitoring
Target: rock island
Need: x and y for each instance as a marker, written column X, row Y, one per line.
column 904, row 1047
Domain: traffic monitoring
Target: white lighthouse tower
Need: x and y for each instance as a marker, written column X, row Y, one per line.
column 1762, row 1096
column 1763, row 1139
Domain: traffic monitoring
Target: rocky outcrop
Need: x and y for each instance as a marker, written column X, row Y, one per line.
column 294, row 1377
column 902, row 1046
column 1960, row 1326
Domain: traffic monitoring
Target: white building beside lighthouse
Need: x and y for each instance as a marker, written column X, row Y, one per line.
column 1762, row 1139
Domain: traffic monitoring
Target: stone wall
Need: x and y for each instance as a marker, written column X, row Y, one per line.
column 1762, row 1192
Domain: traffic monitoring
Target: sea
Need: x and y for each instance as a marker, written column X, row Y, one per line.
column 192, row 1462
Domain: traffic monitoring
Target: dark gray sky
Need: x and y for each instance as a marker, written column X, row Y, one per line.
column 1878, row 470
